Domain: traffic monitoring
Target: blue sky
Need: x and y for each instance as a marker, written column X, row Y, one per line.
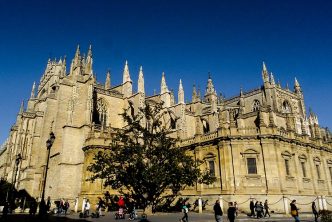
column 185, row 39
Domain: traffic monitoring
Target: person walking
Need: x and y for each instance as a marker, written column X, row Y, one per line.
column 266, row 208
column 259, row 209
column 252, row 208
column 100, row 205
column 87, row 208
column 131, row 208
column 66, row 206
column 5, row 210
column 48, row 204
column 217, row 211
column 314, row 211
column 236, row 208
column 33, row 207
column 231, row 212
column 294, row 211
column 185, row 211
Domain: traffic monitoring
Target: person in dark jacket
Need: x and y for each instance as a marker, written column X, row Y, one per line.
column 314, row 211
column 266, row 208
column 217, row 211
column 259, row 209
column 294, row 211
column 231, row 212
column 5, row 210
column 252, row 208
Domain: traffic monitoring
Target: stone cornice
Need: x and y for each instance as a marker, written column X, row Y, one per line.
column 113, row 93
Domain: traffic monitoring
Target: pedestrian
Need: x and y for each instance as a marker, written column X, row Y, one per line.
column 100, row 205
column 131, row 208
column 66, row 206
column 266, row 208
column 121, row 202
column 185, row 211
column 236, row 208
column 48, row 204
column 231, row 212
column 256, row 206
column 252, row 208
column 33, row 207
column 217, row 211
column 314, row 211
column 87, row 208
column 5, row 210
column 259, row 209
column 294, row 211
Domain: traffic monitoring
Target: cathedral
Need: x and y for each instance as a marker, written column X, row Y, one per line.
column 260, row 144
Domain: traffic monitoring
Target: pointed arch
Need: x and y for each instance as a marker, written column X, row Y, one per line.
column 206, row 125
column 286, row 107
column 256, row 105
column 102, row 112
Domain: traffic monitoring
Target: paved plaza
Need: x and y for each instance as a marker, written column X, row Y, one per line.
column 159, row 217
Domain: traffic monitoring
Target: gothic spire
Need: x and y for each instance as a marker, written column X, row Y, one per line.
column 272, row 79
column 77, row 53
column 22, row 107
column 89, row 61
column 140, row 87
column 199, row 94
column 181, row 93
column 64, row 60
column 265, row 74
column 126, row 75
column 194, row 94
column 163, row 86
column 297, row 87
column 279, row 85
column 108, row 80
column 209, row 87
column 32, row 95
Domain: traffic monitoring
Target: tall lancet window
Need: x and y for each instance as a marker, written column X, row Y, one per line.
column 256, row 105
column 286, row 108
column 206, row 126
column 102, row 112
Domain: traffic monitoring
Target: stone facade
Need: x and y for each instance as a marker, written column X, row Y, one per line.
column 260, row 143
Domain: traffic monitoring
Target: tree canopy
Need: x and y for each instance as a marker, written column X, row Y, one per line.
column 144, row 161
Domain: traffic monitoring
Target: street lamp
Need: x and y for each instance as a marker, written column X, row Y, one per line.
column 49, row 143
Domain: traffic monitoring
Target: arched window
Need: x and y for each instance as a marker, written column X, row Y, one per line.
column 173, row 123
column 251, row 157
column 317, row 165
column 286, row 108
column 287, row 159
column 102, row 111
column 210, row 162
column 206, row 126
column 132, row 109
column 329, row 164
column 303, row 161
column 256, row 105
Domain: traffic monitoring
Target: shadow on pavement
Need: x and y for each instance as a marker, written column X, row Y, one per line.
column 28, row 218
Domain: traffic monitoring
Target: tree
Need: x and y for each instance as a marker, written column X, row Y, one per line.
column 144, row 161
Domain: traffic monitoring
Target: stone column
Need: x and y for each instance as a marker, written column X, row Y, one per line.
column 83, row 204
column 221, row 203
column 324, row 203
column 76, row 204
column 285, row 205
column 320, row 203
column 200, row 207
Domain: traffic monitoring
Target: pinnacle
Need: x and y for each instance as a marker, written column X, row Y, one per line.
column 264, row 66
